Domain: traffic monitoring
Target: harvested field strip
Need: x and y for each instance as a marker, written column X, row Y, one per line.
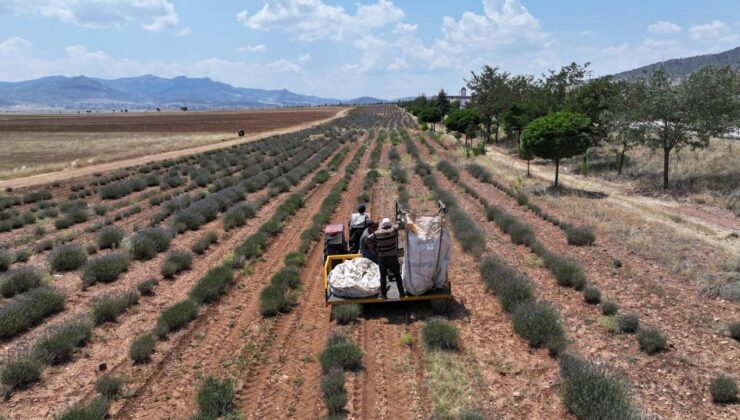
column 217, row 255
column 693, row 362
column 229, row 331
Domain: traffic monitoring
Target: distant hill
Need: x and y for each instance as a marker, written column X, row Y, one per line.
column 679, row 68
column 149, row 91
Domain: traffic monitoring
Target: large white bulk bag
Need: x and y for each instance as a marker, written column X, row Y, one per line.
column 427, row 255
column 355, row 278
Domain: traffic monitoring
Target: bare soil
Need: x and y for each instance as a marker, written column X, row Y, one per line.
column 127, row 140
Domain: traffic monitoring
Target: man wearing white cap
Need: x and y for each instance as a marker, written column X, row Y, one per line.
column 384, row 244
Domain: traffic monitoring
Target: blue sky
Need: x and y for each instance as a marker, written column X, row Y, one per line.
column 344, row 49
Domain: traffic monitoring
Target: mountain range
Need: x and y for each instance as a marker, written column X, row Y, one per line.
column 149, row 91
column 679, row 68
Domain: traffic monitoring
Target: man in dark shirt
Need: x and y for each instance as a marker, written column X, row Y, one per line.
column 364, row 250
column 384, row 244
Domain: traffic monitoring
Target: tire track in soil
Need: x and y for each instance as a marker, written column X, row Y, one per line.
column 696, row 352
column 288, row 386
column 56, row 386
column 229, row 332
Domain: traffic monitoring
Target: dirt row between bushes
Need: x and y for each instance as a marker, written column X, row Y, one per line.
column 65, row 385
column 670, row 384
column 230, row 338
column 287, row 384
column 48, row 178
column 392, row 383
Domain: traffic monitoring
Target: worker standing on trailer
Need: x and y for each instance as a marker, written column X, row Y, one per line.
column 384, row 244
column 357, row 224
column 364, row 250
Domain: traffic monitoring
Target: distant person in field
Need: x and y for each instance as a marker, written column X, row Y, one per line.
column 357, row 224
column 364, row 250
column 384, row 244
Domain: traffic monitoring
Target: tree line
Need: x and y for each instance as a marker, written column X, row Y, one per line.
column 562, row 114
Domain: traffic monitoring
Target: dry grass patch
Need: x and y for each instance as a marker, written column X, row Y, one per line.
column 450, row 390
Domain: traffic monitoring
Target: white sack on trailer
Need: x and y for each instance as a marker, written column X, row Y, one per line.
column 355, row 278
column 427, row 254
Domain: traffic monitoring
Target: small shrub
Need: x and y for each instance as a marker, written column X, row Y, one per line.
column 22, row 255
column 289, row 277
column 340, row 353
column 6, row 258
column 176, row 262
column 110, row 237
column 592, row 295
column 592, row 392
column 556, row 345
column 723, row 389
column 107, row 308
column 234, row 217
column 59, row 342
column 580, row 235
column 537, row 322
column 202, row 244
column 147, row 243
column 91, row 249
column 521, row 234
column 175, row 317
column 67, row 257
column 274, row 299
column 43, row 245
column 215, row 398
column 142, row 348
column 28, row 309
column 109, row 386
column 21, row 372
column 609, row 308
column 96, row 409
column 566, row 271
column 346, row 314
column 104, row 269
column 628, row 323
column 448, row 170
column 101, row 209
column 651, row 340
column 333, row 391
column 440, row 334
column 295, row 259
column 146, row 287
column 19, row 280
column 212, row 285
column 510, row 286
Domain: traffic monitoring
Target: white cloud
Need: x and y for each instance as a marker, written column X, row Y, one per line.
column 313, row 20
column 664, row 27
column 284, row 66
column 304, row 58
column 259, row 48
column 713, row 31
column 615, row 49
column 80, row 52
column 586, row 33
column 506, row 27
column 658, row 44
column 151, row 15
column 14, row 46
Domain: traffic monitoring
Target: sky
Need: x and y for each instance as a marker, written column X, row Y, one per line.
column 345, row 49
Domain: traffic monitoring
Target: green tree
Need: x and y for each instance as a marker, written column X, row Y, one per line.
column 556, row 85
column 491, row 97
column 463, row 121
column 431, row 115
column 682, row 115
column 623, row 126
column 442, row 103
column 516, row 118
column 557, row 136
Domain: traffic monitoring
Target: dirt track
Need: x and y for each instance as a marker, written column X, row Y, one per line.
column 227, row 141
